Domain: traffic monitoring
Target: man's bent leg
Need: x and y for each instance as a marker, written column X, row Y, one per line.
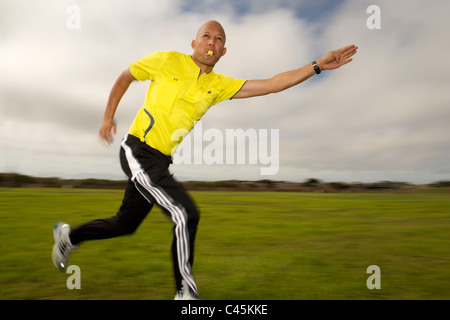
column 132, row 212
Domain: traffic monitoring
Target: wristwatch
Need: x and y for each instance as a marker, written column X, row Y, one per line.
column 316, row 67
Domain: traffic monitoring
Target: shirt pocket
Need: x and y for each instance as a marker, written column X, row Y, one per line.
column 206, row 99
column 166, row 94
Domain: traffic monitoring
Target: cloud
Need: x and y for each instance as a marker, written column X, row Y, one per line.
column 383, row 116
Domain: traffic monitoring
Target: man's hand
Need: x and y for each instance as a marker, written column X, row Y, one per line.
column 108, row 128
column 337, row 58
column 107, row 131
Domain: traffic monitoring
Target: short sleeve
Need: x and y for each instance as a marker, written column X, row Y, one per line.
column 230, row 87
column 148, row 67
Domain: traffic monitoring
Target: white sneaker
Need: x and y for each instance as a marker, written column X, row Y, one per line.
column 186, row 293
column 62, row 247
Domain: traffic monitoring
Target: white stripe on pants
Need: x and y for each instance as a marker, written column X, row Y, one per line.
column 178, row 214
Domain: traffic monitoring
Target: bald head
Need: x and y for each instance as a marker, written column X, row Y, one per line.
column 210, row 26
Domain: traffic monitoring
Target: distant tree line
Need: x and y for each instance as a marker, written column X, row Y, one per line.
column 14, row 180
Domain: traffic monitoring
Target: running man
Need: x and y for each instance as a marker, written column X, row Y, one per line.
column 182, row 88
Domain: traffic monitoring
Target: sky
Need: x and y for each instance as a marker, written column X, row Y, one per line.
column 384, row 116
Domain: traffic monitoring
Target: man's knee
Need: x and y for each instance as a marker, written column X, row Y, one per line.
column 126, row 227
column 193, row 215
column 193, row 221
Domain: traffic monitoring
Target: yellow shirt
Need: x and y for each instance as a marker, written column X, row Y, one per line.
column 176, row 99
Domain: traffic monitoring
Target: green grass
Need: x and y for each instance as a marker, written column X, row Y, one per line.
column 250, row 246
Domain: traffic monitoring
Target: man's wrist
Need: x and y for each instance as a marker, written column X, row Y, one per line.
column 321, row 64
column 316, row 67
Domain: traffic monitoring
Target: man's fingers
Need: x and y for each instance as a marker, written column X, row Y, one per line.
column 106, row 140
column 351, row 51
column 347, row 61
column 349, row 48
column 106, row 137
column 112, row 134
column 108, row 132
column 346, row 53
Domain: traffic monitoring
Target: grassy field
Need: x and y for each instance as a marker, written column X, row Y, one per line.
column 250, row 246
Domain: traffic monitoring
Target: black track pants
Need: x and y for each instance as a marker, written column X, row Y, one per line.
column 150, row 182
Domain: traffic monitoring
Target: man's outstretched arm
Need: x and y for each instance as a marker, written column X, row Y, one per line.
column 282, row 81
column 109, row 127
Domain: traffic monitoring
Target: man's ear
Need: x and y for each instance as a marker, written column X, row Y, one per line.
column 193, row 44
column 224, row 51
